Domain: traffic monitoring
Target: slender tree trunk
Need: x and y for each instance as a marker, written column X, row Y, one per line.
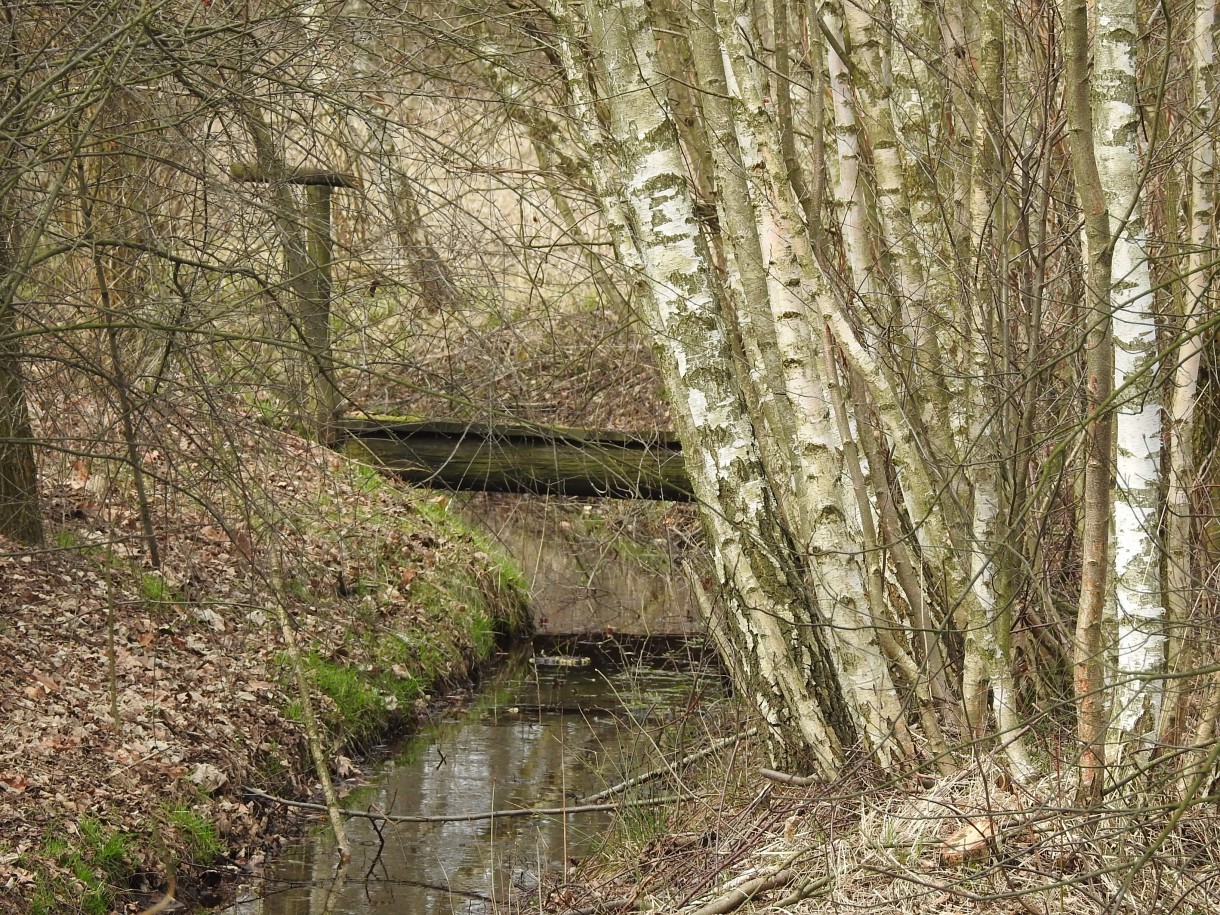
column 1088, row 664
column 1203, row 176
column 829, row 527
column 1138, row 608
column 988, row 663
column 20, row 506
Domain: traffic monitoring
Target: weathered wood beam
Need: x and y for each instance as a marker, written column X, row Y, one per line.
column 522, row 459
column 309, row 275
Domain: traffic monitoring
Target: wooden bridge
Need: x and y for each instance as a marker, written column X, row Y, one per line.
column 521, row 458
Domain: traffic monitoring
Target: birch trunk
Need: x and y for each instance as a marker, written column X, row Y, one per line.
column 1138, row 611
column 949, row 429
column 780, row 650
column 829, row 533
column 988, row 639
column 1088, row 667
column 1203, row 175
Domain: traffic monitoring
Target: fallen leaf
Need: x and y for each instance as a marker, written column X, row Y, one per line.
column 208, row 777
column 972, row 841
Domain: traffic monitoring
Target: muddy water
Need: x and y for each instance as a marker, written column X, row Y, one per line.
column 593, row 567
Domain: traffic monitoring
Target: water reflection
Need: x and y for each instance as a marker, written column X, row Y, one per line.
column 524, row 743
column 587, row 574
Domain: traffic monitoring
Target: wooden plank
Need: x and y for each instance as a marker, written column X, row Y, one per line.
column 362, row 426
column 524, row 459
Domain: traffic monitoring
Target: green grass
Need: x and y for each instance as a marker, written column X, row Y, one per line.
column 198, row 835
column 67, row 540
column 154, row 590
column 97, row 861
column 359, row 709
column 637, row 827
column 368, row 479
column 366, row 702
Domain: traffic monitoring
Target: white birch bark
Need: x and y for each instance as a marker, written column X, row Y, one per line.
column 832, row 531
column 656, row 230
column 982, row 616
column 1138, row 611
column 905, row 216
column 818, row 301
column 946, row 545
column 885, row 77
column 1182, row 470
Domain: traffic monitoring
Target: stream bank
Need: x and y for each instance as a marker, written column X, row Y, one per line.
column 136, row 705
column 615, row 678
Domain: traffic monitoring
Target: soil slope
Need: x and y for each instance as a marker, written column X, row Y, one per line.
column 137, row 705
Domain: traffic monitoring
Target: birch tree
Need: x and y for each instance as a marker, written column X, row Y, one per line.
column 1138, row 603
column 859, row 350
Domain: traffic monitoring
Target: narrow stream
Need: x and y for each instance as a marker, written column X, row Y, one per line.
column 536, row 735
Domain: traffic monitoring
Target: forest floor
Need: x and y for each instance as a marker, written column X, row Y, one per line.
column 748, row 839
column 139, row 705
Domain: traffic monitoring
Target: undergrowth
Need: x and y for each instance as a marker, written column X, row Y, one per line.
column 90, row 870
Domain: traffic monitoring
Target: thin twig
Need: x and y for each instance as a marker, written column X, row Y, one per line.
column 669, row 767
column 786, row 779
column 467, row 817
column 612, row 905
column 804, row 891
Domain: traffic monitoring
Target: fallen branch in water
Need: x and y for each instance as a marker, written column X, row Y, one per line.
column 465, row 817
column 670, row 767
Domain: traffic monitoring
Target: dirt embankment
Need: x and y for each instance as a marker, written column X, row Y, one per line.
column 137, row 705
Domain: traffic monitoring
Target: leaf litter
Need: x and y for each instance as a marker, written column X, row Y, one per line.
column 188, row 657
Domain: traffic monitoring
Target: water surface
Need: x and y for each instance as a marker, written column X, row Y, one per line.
column 535, row 736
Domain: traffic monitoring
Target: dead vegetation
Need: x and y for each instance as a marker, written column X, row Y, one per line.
column 973, row 842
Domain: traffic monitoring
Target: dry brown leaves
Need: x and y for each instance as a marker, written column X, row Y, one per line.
column 187, row 657
column 199, row 713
